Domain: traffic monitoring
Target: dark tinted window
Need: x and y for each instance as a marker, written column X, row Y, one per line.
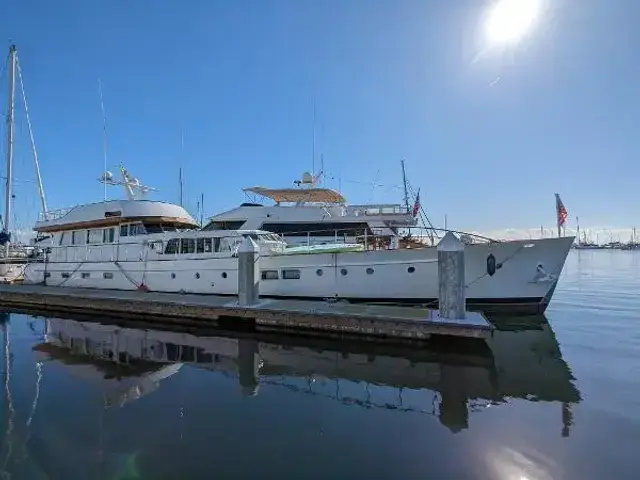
column 324, row 229
column 124, row 230
column 224, row 225
column 172, row 246
column 188, row 245
column 153, row 228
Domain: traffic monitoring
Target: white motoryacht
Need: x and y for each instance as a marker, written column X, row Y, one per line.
column 158, row 246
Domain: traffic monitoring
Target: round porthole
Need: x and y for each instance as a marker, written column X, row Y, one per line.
column 224, row 274
column 411, row 269
column 344, row 271
column 173, row 275
column 197, row 275
column 319, row 272
column 369, row 271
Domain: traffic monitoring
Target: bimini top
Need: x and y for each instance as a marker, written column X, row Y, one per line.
column 299, row 195
column 114, row 212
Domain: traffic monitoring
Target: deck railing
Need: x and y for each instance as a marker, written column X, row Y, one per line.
column 53, row 214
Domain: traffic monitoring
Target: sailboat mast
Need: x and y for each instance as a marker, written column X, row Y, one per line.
column 404, row 183
column 10, row 122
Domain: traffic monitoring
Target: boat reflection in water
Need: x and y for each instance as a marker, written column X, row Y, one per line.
column 449, row 380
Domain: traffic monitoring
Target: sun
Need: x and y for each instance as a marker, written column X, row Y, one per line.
column 510, row 20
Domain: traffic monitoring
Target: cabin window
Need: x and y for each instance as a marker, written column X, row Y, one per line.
column 64, row 274
column 216, row 244
column 270, row 275
column 208, row 245
column 291, row 274
column 172, row 246
column 107, row 275
column 124, row 230
column 95, row 236
column 78, row 237
column 64, row 238
column 188, row 245
column 86, row 274
column 108, row 235
column 153, row 228
column 137, row 229
column 225, row 225
column 200, row 245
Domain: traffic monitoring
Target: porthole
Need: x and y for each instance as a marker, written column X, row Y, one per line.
column 411, row 269
column 369, row 271
column 173, row 275
column 319, row 272
column 224, row 274
column 197, row 275
column 343, row 271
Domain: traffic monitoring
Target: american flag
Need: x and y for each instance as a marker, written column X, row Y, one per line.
column 416, row 205
column 561, row 211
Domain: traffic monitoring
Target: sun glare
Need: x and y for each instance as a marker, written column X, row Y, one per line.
column 509, row 20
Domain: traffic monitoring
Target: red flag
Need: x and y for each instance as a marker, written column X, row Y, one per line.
column 561, row 212
column 416, row 205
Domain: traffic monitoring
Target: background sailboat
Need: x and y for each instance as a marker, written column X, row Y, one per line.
column 15, row 256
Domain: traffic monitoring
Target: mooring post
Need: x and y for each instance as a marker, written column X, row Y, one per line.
column 451, row 288
column 248, row 272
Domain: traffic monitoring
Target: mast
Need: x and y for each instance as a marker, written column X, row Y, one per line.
column 10, row 113
column 404, row 183
column 577, row 230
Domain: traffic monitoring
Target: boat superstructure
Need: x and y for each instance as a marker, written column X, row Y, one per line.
column 312, row 215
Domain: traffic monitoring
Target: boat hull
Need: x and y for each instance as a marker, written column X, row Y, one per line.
column 524, row 281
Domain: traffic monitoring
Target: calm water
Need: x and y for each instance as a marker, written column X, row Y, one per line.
column 540, row 400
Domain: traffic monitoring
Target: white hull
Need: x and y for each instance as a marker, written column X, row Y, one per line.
column 524, row 282
column 11, row 272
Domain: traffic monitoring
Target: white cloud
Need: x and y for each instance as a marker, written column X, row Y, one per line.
column 593, row 234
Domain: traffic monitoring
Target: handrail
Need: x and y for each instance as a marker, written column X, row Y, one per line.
column 53, row 214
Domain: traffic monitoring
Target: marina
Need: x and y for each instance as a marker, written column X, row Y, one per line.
column 318, row 241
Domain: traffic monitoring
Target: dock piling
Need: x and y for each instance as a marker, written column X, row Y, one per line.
column 248, row 273
column 451, row 286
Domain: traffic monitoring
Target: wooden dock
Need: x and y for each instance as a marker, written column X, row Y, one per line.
column 294, row 316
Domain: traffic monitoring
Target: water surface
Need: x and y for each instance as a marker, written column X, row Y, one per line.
column 554, row 397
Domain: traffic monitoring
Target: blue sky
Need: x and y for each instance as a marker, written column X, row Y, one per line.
column 489, row 135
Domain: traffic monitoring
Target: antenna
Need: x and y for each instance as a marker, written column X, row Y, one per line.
column 201, row 209
column 404, row 182
column 313, row 144
column 104, row 135
column 133, row 187
column 181, row 179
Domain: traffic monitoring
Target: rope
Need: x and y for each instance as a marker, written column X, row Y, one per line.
column 71, row 274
